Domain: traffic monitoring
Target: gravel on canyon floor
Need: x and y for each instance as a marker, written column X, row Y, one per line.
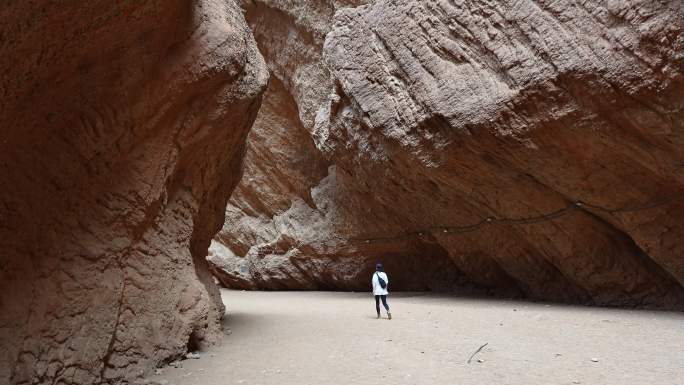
column 335, row 338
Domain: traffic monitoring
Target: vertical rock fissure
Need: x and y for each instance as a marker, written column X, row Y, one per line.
column 109, row 351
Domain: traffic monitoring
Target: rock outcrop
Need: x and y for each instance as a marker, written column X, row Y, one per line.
column 123, row 131
column 533, row 148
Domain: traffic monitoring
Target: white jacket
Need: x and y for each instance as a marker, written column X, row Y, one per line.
column 377, row 289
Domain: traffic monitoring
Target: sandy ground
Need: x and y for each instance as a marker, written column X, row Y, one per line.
column 334, row 338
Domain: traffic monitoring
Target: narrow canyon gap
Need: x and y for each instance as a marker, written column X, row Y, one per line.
column 123, row 130
column 529, row 148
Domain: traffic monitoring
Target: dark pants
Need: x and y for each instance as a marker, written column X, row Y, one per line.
column 384, row 303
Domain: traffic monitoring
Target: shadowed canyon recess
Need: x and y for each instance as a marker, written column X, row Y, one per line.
column 531, row 148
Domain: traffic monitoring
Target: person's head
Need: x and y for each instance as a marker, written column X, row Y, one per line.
column 378, row 266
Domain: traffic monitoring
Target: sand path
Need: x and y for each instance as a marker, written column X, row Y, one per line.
column 334, row 338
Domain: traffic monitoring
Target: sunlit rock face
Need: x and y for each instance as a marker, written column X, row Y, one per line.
column 123, row 130
column 460, row 140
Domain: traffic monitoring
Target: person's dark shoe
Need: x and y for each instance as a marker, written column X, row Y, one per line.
column 378, row 315
column 389, row 315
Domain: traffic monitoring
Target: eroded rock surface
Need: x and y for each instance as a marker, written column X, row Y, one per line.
column 123, row 129
column 529, row 147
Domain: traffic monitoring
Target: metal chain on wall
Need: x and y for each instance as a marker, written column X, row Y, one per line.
column 576, row 205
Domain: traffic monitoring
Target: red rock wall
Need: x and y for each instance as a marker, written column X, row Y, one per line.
column 123, row 129
column 469, row 131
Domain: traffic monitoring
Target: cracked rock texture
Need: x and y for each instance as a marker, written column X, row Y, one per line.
column 123, row 131
column 530, row 148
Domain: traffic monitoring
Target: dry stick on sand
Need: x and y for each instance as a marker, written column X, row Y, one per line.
column 477, row 351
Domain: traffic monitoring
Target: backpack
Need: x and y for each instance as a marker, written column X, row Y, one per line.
column 381, row 281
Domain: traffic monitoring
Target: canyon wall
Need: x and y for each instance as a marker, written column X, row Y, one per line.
column 123, row 131
column 529, row 148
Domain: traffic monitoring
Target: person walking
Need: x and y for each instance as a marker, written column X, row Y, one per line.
column 379, row 283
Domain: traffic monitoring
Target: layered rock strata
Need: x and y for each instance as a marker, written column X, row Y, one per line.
column 123, row 130
column 533, row 148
